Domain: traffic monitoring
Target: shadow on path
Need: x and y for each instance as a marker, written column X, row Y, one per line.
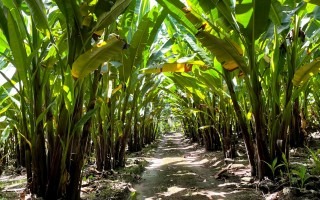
column 181, row 171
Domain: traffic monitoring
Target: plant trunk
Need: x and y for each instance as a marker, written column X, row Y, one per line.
column 297, row 136
column 56, row 186
column 39, row 167
column 17, row 148
column 243, row 125
column 76, row 164
column 22, row 154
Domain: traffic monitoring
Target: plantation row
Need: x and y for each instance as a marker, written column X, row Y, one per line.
column 93, row 77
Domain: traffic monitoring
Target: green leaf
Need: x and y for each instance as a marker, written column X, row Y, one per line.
column 5, row 134
column 17, row 47
column 67, row 10
column 259, row 19
column 175, row 9
column 93, row 58
column 276, row 12
column 3, row 23
column 4, row 109
column 140, row 37
column 119, row 126
column 41, row 116
column 3, row 43
column 316, row 2
column 274, row 162
column 18, row 18
column 84, row 119
column 109, row 17
column 302, row 75
column 227, row 52
column 200, row 51
column 38, row 15
column 244, row 12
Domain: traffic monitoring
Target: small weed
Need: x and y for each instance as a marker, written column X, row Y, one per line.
column 316, row 161
column 302, row 174
column 273, row 166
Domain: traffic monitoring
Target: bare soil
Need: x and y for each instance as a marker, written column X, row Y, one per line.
column 174, row 168
column 181, row 170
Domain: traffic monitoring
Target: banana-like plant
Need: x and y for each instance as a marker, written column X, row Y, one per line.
column 47, row 67
column 237, row 35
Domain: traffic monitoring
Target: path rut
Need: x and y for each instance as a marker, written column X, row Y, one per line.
column 179, row 170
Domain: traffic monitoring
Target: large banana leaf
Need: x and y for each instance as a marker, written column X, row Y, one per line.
column 111, row 16
column 208, row 6
column 200, row 51
column 17, row 47
column 254, row 17
column 211, row 79
column 275, row 12
column 191, row 84
column 302, row 75
column 16, row 16
column 142, row 34
column 158, row 54
column 142, row 40
column 67, row 10
column 175, row 9
column 227, row 52
column 38, row 14
column 93, row 58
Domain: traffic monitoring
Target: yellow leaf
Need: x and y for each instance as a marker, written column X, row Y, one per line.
column 230, row 65
column 174, row 67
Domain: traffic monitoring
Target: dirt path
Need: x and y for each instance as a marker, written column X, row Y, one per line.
column 181, row 171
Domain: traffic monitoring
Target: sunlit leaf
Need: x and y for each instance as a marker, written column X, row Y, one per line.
column 38, row 15
column 258, row 13
column 17, row 47
column 3, row 43
column 244, row 12
column 302, row 75
column 93, row 58
column 4, row 109
column 175, row 8
column 109, row 17
column 228, row 53
column 316, row 2
column 5, row 134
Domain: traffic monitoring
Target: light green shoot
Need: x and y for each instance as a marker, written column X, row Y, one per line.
column 302, row 174
column 273, row 166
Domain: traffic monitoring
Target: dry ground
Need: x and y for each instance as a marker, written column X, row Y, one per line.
column 174, row 168
column 180, row 170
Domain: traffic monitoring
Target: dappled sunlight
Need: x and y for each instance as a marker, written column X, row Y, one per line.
column 191, row 162
column 176, row 148
column 216, row 163
column 172, row 190
column 159, row 162
column 13, row 183
column 212, row 194
column 181, row 171
column 230, row 184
